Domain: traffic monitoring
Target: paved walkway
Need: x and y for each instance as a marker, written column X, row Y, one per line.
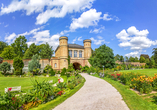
column 96, row 94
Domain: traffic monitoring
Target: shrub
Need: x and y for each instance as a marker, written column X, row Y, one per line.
column 47, row 69
column 5, row 66
column 34, row 65
column 52, row 72
column 18, row 65
column 63, row 72
column 85, row 68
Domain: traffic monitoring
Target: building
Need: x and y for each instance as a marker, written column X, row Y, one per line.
column 79, row 54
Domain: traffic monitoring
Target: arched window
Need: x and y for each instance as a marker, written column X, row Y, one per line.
column 55, row 65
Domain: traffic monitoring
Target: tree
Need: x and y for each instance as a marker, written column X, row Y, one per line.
column 121, row 58
column 142, row 59
column 46, row 51
column 103, row 57
column 136, row 59
column 18, row 65
column 32, row 50
column 155, row 55
column 20, row 46
column 117, row 57
column 34, row 65
column 147, row 63
column 8, row 53
column 145, row 56
column 126, row 59
column 131, row 59
column 5, row 66
column 2, row 46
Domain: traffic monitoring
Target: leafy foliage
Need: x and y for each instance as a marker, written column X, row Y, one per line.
column 34, row 65
column 155, row 55
column 5, row 66
column 142, row 59
column 46, row 51
column 18, row 65
column 103, row 56
column 2, row 46
column 32, row 50
column 20, row 46
column 8, row 53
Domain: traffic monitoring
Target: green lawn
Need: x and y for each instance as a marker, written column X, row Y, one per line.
column 25, row 83
column 149, row 72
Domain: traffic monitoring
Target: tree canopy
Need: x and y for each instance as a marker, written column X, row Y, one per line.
column 103, row 57
column 8, row 53
column 32, row 50
column 142, row 59
column 155, row 55
column 20, row 46
column 2, row 46
column 46, row 51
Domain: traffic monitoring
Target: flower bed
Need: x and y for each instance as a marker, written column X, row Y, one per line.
column 138, row 81
column 42, row 92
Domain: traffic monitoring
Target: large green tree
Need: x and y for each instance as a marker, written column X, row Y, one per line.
column 155, row 55
column 131, row 59
column 20, row 46
column 121, row 58
column 103, row 57
column 8, row 53
column 136, row 59
column 117, row 57
column 32, row 50
column 46, row 51
column 2, row 46
column 142, row 59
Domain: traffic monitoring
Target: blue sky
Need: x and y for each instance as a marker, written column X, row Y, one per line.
column 128, row 27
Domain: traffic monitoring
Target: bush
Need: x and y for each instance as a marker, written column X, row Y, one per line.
column 34, row 65
column 18, row 65
column 52, row 72
column 63, row 72
column 85, row 68
column 47, row 68
column 5, row 66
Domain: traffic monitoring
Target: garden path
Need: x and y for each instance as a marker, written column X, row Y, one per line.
column 96, row 94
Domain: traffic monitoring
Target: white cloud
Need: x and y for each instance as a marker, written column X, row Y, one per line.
column 107, row 17
column 88, row 18
column 10, row 38
column 74, row 40
column 134, row 54
column 98, row 41
column 135, row 39
column 6, row 25
column 80, row 39
column 39, row 37
column 54, row 8
column 99, row 30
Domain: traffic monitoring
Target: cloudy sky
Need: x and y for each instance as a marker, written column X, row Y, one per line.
column 129, row 27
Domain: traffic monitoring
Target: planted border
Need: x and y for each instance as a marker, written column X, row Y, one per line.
column 52, row 104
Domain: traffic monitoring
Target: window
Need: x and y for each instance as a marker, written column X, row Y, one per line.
column 80, row 54
column 55, row 65
column 70, row 53
column 75, row 53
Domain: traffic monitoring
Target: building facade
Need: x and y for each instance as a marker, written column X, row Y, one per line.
column 79, row 55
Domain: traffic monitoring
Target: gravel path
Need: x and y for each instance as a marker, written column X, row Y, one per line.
column 96, row 94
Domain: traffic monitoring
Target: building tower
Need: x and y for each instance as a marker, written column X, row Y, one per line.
column 87, row 51
column 63, row 44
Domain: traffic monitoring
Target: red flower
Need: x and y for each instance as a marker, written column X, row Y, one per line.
column 10, row 89
column 118, row 74
column 60, row 93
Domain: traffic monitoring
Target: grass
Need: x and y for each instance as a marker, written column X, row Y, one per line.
column 52, row 104
column 149, row 72
column 132, row 99
column 24, row 82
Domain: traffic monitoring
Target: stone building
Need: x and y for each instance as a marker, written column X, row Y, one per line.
column 79, row 54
